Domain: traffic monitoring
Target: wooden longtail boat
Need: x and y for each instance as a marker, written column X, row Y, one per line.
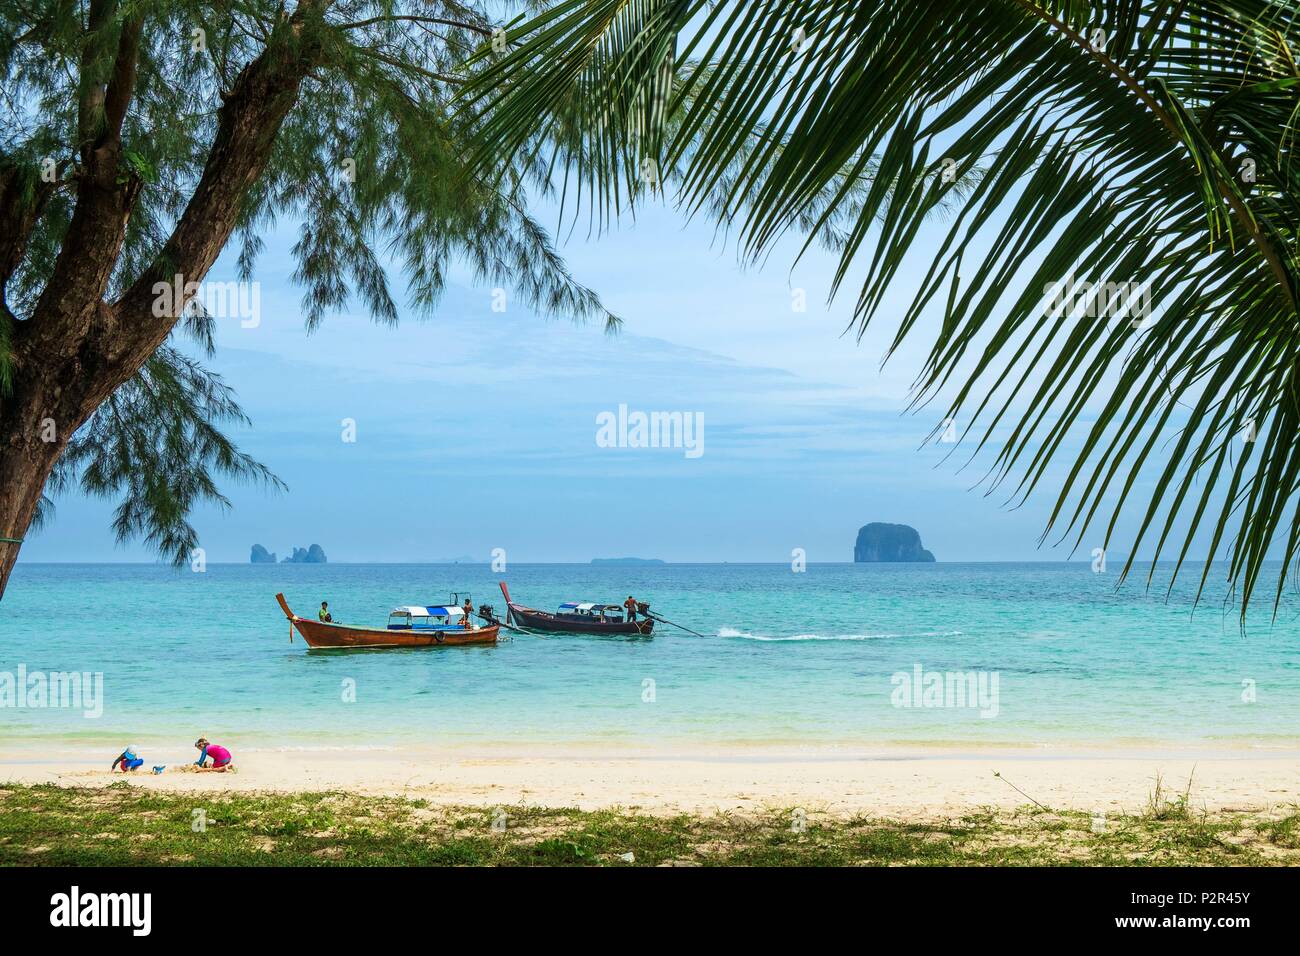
column 408, row 626
column 579, row 618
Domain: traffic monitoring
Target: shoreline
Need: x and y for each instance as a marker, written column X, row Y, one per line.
column 32, row 751
column 902, row 781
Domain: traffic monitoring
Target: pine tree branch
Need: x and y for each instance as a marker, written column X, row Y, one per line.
column 21, row 204
column 440, row 21
column 90, row 76
column 72, row 299
column 247, row 125
column 122, row 84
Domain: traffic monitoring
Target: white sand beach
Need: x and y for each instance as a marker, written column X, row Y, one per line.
column 898, row 782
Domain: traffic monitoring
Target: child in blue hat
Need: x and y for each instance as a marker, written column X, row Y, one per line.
column 130, row 759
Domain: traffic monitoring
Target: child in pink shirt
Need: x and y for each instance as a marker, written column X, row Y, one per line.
column 220, row 755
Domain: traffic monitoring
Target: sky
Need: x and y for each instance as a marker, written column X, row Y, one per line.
column 478, row 429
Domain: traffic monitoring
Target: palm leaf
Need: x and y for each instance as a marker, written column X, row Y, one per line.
column 1146, row 142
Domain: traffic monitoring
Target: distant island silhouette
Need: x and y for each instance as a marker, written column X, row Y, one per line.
column 879, row 542
column 313, row 555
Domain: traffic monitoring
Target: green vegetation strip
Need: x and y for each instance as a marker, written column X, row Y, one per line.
column 128, row 825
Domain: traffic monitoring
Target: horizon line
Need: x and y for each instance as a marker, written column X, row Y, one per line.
column 648, row 563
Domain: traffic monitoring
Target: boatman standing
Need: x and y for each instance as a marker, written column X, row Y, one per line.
column 324, row 614
column 468, row 608
column 630, row 604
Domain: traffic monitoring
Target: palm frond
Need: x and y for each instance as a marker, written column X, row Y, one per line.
column 1143, row 147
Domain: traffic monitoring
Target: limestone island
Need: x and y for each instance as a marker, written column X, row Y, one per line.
column 313, row 555
column 887, row 543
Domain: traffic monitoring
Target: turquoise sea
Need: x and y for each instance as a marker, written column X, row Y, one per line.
column 800, row 659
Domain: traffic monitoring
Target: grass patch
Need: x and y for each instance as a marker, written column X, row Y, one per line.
column 125, row 825
column 1164, row 804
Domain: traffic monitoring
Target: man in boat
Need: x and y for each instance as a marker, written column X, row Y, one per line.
column 324, row 614
column 467, row 621
column 630, row 604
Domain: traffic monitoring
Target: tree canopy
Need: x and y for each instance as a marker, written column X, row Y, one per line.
column 140, row 136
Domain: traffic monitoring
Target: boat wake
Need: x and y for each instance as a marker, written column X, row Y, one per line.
column 783, row 638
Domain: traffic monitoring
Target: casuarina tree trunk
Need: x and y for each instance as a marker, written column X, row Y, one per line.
column 31, row 443
column 75, row 349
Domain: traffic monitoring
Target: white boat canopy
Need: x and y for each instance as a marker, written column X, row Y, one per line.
column 414, row 611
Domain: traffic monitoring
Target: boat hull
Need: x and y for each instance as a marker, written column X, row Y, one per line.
column 536, row 620
column 322, row 634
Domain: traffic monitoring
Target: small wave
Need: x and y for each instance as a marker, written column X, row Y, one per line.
column 319, row 748
column 747, row 636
